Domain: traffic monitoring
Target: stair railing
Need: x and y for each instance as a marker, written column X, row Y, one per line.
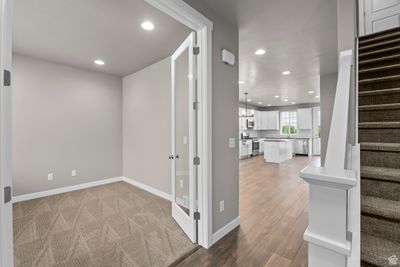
column 333, row 230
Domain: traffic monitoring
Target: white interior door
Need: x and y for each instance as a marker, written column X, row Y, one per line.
column 6, row 227
column 381, row 15
column 184, row 139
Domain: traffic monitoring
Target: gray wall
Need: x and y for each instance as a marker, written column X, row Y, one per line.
column 225, row 121
column 147, row 125
column 346, row 10
column 328, row 90
column 64, row 118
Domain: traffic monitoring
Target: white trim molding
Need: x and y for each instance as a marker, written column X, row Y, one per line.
column 225, row 230
column 71, row 188
column 65, row 189
column 339, row 247
column 147, row 188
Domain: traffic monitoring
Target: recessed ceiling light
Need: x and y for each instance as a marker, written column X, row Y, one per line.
column 147, row 25
column 285, row 100
column 317, row 96
column 241, row 82
column 269, row 105
column 99, row 62
column 260, row 103
column 260, row 52
column 286, row 72
column 293, row 103
column 249, row 100
column 277, row 96
column 311, row 92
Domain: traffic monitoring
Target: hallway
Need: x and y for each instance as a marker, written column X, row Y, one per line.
column 274, row 216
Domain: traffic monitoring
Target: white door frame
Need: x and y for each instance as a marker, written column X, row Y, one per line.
column 6, row 225
column 190, row 17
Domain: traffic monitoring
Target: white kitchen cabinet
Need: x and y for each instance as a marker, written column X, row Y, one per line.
column 245, row 148
column 257, row 120
column 242, row 124
column 270, row 120
column 304, row 119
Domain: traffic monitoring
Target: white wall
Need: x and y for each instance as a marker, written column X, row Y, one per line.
column 328, row 90
column 64, row 118
column 147, row 125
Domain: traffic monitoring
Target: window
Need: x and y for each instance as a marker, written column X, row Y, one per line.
column 289, row 122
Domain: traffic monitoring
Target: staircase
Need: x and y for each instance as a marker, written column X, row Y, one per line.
column 379, row 136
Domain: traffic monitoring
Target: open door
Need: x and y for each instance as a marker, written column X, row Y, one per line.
column 6, row 227
column 184, row 140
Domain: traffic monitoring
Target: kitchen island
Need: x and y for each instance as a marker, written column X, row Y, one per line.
column 277, row 150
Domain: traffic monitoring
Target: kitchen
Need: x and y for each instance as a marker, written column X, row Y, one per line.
column 279, row 133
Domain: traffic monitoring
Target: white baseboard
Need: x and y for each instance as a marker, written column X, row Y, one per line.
column 225, row 230
column 91, row 184
column 147, row 188
column 65, row 189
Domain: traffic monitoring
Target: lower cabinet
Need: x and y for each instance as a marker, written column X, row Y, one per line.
column 245, row 148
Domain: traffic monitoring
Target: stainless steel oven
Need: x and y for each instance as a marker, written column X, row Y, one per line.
column 256, row 147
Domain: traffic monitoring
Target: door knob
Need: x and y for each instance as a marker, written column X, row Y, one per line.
column 177, row 156
column 171, row 157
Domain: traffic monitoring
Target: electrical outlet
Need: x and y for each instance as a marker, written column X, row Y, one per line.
column 232, row 142
column 181, row 183
column 73, row 173
column 221, row 206
column 50, row 177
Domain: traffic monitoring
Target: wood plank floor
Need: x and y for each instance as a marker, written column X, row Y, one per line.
column 274, row 216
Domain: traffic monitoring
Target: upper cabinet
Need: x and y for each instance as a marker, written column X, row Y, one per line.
column 304, row 119
column 266, row 120
column 263, row 120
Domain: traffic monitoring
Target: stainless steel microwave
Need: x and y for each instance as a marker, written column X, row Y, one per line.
column 250, row 123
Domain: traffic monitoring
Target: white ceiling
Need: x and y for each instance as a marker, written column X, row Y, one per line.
column 76, row 32
column 298, row 35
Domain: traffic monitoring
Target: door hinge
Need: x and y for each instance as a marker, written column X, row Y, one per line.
column 7, row 78
column 196, row 105
column 7, row 194
column 197, row 215
column 196, row 50
column 196, row 161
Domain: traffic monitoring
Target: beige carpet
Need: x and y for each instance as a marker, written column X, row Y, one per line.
column 111, row 225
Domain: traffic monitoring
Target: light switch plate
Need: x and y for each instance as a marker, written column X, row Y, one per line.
column 221, row 206
column 181, row 183
column 50, row 177
column 232, row 142
column 73, row 173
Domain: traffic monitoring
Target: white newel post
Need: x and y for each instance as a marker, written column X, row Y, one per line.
column 329, row 234
column 329, row 242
